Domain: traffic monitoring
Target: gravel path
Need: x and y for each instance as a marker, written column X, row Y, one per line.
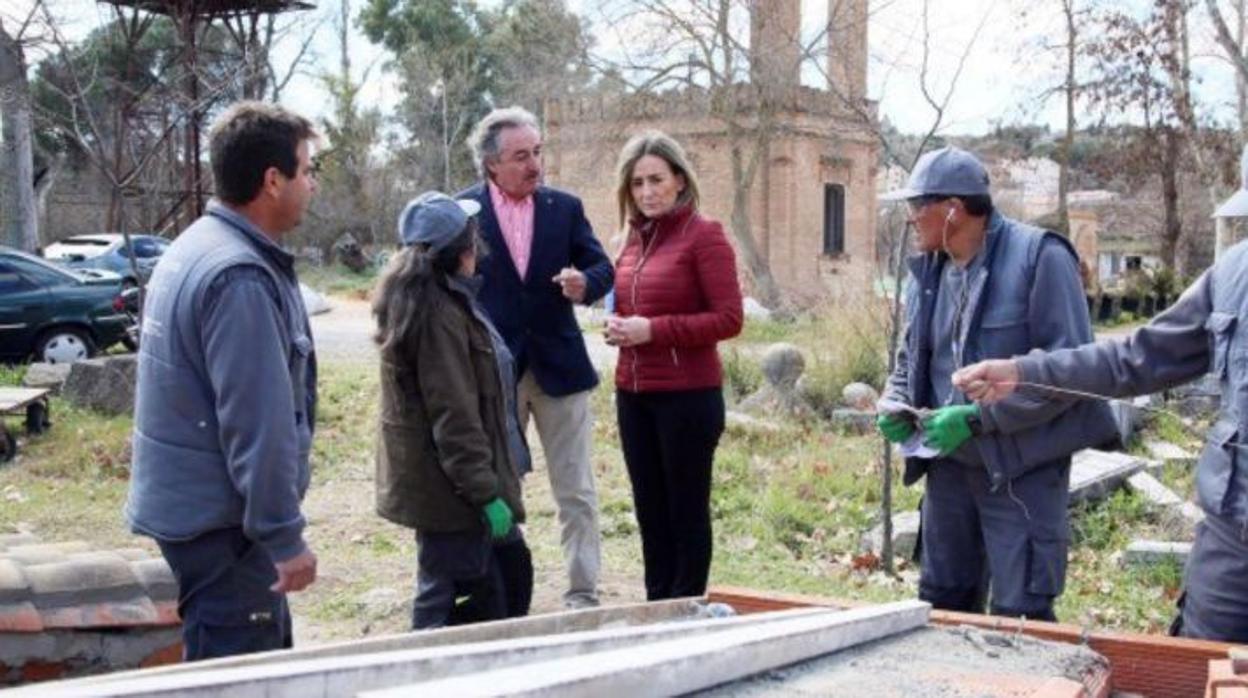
column 344, row 334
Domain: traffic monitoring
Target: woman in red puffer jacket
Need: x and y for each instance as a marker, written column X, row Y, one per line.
column 676, row 296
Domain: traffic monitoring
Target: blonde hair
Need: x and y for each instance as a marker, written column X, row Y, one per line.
column 660, row 145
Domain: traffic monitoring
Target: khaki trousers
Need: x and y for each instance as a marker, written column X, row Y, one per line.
column 564, row 427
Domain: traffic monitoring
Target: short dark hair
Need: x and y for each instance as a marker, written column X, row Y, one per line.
column 248, row 139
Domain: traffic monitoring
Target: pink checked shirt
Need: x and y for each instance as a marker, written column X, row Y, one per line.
column 515, row 220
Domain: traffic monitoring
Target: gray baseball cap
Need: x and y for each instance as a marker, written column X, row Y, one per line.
column 1237, row 205
column 433, row 218
column 949, row 170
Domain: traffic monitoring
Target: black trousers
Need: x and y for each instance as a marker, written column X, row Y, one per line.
column 467, row 578
column 669, row 441
column 224, row 598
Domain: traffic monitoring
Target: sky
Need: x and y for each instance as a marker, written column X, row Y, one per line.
column 1005, row 69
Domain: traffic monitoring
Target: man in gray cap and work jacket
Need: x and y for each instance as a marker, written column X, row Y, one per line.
column 984, row 286
column 1199, row 334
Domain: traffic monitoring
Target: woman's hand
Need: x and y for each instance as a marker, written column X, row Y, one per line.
column 627, row 331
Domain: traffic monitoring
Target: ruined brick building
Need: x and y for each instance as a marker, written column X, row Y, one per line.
column 812, row 205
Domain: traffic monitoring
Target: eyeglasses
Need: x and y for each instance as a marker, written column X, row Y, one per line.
column 919, row 202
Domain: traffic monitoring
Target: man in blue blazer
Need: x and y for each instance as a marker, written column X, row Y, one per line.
column 542, row 257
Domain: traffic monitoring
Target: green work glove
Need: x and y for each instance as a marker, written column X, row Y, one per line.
column 949, row 427
column 498, row 516
column 894, row 428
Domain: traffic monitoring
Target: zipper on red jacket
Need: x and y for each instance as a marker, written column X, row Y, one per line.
column 646, row 248
column 675, row 359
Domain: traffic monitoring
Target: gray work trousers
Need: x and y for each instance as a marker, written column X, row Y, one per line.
column 1009, row 545
column 1214, row 605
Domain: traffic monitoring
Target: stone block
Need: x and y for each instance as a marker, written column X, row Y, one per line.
column 905, row 535
column 43, row 375
column 1151, row 552
column 1170, row 454
column 103, row 384
column 860, row 396
column 782, row 365
column 1095, row 474
column 1151, row 489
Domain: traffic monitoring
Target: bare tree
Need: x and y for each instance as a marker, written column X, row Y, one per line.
column 19, row 222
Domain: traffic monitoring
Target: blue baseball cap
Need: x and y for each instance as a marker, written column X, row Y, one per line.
column 949, row 170
column 1237, row 205
column 434, row 219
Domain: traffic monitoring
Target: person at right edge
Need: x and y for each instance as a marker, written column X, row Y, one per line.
column 994, row 510
column 450, row 453
column 1200, row 333
column 677, row 297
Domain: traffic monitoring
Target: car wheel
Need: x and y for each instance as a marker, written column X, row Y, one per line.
column 37, row 420
column 64, row 345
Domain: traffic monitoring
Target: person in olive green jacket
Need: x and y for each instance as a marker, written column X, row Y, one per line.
column 450, row 454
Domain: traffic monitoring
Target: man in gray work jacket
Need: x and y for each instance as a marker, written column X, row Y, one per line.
column 1199, row 334
column 227, row 394
column 984, row 286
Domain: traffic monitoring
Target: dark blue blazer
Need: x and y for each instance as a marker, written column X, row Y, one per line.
column 531, row 314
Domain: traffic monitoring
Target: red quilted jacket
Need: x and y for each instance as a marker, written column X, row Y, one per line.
column 679, row 271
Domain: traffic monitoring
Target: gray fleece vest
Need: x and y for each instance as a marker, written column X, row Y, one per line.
column 180, row 486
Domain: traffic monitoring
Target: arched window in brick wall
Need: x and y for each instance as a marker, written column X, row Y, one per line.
column 833, row 219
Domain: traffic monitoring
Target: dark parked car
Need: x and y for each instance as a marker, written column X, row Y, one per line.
column 108, row 251
column 58, row 315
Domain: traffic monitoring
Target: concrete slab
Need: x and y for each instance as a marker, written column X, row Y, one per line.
column 1152, row 490
column 683, row 665
column 1095, row 474
column 602, row 617
column 1170, row 454
column 332, row 676
column 1152, row 552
